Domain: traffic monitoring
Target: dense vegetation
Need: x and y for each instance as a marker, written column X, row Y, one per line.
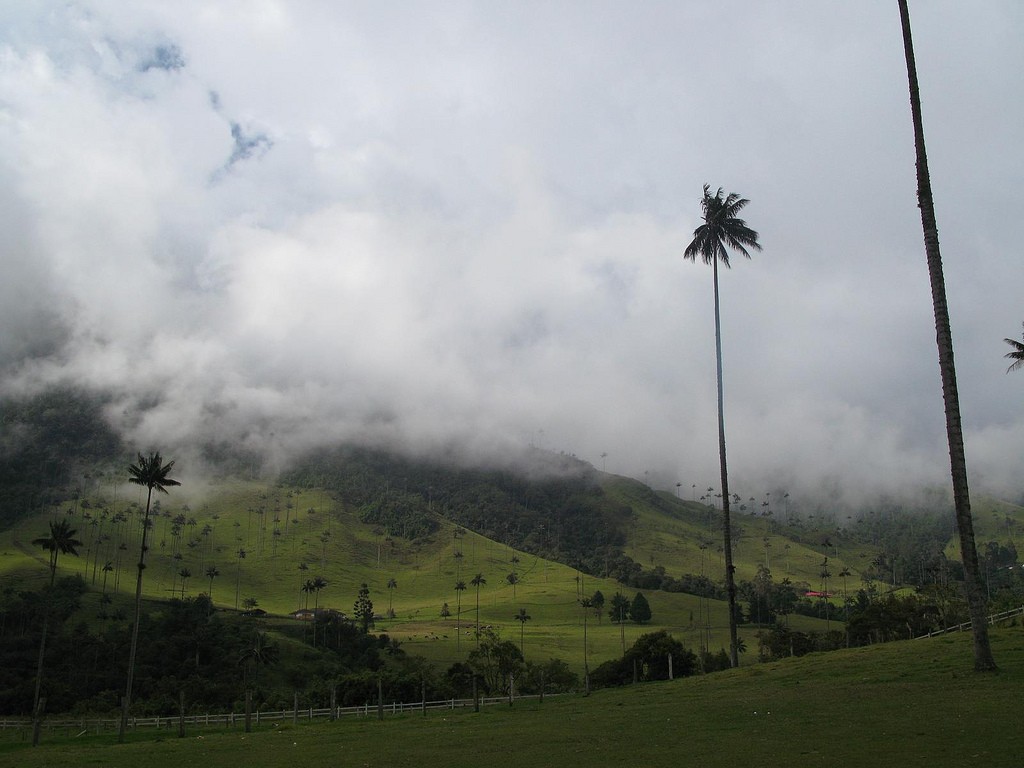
column 561, row 515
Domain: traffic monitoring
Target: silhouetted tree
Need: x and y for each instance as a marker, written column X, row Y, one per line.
column 212, row 572
column 478, row 581
column 983, row 660
column 151, row 473
column 640, row 609
column 723, row 227
column 61, row 541
column 392, row 586
column 460, row 587
column 362, row 610
column 522, row 617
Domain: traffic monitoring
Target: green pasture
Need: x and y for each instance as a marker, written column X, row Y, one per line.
column 908, row 703
column 316, row 536
column 291, row 535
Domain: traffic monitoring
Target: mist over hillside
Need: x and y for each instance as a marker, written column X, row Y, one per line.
column 440, row 250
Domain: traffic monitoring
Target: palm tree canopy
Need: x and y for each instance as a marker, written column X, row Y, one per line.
column 1016, row 354
column 722, row 227
column 478, row 580
column 152, row 473
column 61, row 541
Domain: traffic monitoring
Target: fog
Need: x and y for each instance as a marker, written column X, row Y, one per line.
column 461, row 227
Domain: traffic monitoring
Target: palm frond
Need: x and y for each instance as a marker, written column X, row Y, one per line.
column 1016, row 354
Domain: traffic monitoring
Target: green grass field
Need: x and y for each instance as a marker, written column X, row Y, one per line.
column 317, row 537
column 911, row 703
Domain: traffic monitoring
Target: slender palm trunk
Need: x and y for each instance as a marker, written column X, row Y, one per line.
column 730, row 580
column 37, row 713
column 36, row 707
column 983, row 660
column 458, row 618
column 127, row 702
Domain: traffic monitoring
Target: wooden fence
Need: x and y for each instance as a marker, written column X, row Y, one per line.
column 995, row 618
column 80, row 726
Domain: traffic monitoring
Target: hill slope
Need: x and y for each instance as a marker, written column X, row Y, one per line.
column 910, row 703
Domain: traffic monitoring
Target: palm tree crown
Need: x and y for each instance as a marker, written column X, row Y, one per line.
column 152, row 473
column 721, row 228
column 1016, row 354
column 61, row 541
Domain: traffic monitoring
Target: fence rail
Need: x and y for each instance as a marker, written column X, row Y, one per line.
column 81, row 726
column 995, row 618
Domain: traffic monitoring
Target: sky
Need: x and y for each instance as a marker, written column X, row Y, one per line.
column 438, row 224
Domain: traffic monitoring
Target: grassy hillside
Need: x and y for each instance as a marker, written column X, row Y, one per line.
column 909, row 703
column 290, row 535
column 669, row 532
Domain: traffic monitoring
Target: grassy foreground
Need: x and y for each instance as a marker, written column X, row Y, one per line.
column 910, row 703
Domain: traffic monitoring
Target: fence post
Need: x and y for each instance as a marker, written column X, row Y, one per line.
column 476, row 696
column 670, row 667
column 181, row 713
column 248, row 710
column 380, row 697
column 295, row 707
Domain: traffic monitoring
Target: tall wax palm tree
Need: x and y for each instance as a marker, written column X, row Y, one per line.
column 152, row 474
column 307, row 590
column 460, row 587
column 522, row 617
column 983, row 660
column 240, row 554
column 723, row 229
column 478, row 581
column 318, row 583
column 212, row 572
column 185, row 574
column 587, row 603
column 61, row 541
column 513, row 579
column 1016, row 354
column 392, row 585
column 108, row 567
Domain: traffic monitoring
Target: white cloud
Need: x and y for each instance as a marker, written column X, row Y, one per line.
column 468, row 224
